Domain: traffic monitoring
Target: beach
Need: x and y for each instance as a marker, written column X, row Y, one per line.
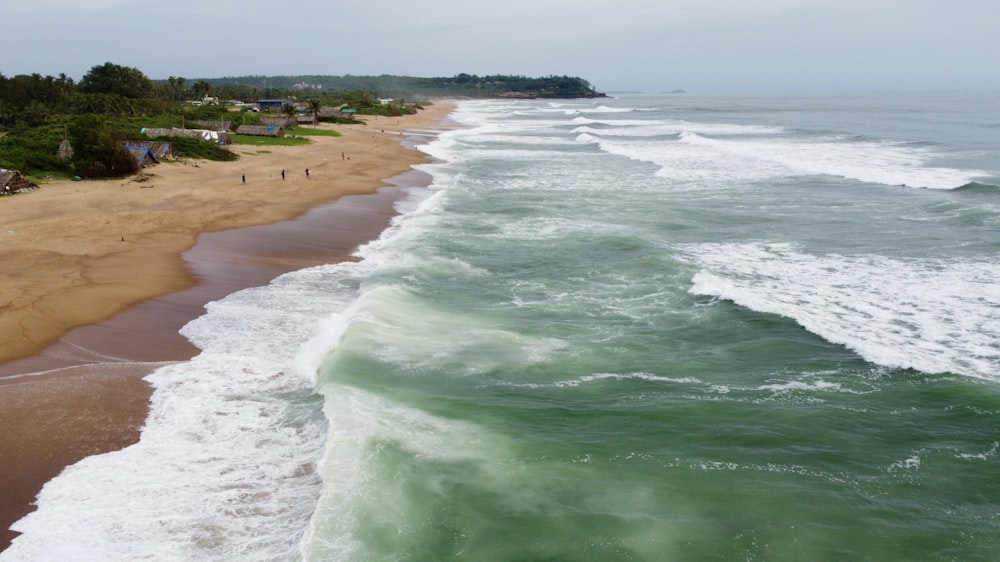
column 98, row 276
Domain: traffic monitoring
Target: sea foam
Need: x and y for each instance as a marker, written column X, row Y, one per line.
column 933, row 315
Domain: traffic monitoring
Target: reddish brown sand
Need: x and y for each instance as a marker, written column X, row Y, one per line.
column 97, row 277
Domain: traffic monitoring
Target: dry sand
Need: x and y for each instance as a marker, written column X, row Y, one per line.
column 95, row 281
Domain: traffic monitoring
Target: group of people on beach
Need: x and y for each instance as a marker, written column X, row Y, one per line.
column 343, row 156
column 308, row 175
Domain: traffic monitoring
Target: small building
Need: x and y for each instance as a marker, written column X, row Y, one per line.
column 272, row 105
column 12, row 181
column 260, row 130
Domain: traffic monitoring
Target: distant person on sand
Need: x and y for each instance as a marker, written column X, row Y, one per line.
column 244, row 178
column 307, row 173
column 282, row 175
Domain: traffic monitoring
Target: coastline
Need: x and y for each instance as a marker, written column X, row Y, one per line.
column 94, row 311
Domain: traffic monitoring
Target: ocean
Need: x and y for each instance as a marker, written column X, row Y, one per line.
column 671, row 327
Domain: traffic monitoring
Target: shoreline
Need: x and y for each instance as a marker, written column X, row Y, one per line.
column 84, row 394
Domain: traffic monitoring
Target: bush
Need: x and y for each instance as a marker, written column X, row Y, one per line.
column 33, row 150
column 197, row 148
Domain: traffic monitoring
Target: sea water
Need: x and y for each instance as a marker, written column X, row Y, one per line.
column 636, row 328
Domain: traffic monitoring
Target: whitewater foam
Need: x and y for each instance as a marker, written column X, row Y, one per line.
column 933, row 315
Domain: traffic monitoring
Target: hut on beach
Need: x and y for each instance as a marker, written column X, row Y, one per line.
column 161, row 150
column 283, row 121
column 143, row 156
column 12, row 181
column 214, row 125
column 260, row 130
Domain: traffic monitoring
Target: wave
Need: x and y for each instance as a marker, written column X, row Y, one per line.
column 979, row 187
column 885, row 163
column 226, row 464
column 229, row 461
column 932, row 315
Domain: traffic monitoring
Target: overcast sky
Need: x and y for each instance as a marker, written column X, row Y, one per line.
column 706, row 46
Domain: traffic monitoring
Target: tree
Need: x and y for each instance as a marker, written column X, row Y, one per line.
column 110, row 78
column 98, row 151
column 6, row 113
column 201, row 89
column 176, row 87
column 288, row 109
column 315, row 105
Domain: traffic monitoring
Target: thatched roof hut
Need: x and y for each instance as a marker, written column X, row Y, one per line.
column 161, row 150
column 12, row 181
column 215, row 125
column 284, row 121
column 260, row 131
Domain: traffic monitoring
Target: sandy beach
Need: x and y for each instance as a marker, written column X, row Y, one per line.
column 96, row 277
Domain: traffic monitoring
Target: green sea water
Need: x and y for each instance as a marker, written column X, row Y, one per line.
column 650, row 328
column 678, row 329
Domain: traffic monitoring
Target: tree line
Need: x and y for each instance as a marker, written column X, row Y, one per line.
column 461, row 85
column 111, row 103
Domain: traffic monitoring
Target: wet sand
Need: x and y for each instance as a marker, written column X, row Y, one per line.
column 98, row 278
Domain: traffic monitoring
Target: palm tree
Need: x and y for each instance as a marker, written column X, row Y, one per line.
column 201, row 88
column 314, row 108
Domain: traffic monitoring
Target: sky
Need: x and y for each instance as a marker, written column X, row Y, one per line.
column 700, row 46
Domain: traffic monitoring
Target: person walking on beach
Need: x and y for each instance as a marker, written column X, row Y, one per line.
column 307, row 173
column 282, row 175
column 244, row 178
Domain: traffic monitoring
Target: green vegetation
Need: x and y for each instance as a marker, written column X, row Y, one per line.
column 308, row 132
column 112, row 103
column 197, row 148
column 409, row 87
column 268, row 141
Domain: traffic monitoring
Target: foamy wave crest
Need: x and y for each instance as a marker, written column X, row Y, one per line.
column 601, row 377
column 225, row 468
column 872, row 162
column 936, row 316
column 607, row 109
column 394, row 326
column 627, row 128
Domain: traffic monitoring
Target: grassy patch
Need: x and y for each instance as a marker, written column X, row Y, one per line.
column 310, row 132
column 268, row 141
